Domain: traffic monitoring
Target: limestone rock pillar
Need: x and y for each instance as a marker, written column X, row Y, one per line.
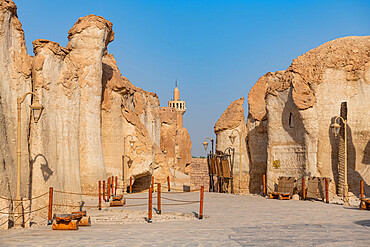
column 232, row 122
column 54, row 140
column 15, row 71
column 88, row 39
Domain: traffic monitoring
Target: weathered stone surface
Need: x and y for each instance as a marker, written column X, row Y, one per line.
column 182, row 149
column 232, row 122
column 88, row 39
column 168, row 133
column 176, row 141
column 199, row 174
column 130, row 114
column 15, row 70
column 257, row 142
column 232, row 117
column 89, row 108
column 54, row 140
column 66, row 144
column 301, row 104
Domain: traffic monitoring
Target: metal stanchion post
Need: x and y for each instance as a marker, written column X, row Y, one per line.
column 168, row 183
column 264, row 184
column 115, row 189
column 112, row 185
column 153, row 183
column 201, row 203
column 108, row 190
column 50, row 212
column 303, row 188
column 362, row 188
column 327, row 190
column 130, row 184
column 104, row 190
column 99, row 195
column 159, row 207
column 150, row 205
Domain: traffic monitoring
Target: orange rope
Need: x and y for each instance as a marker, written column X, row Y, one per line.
column 26, row 212
column 176, row 200
column 23, row 200
column 74, row 193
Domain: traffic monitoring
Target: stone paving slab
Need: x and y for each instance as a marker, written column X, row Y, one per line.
column 231, row 220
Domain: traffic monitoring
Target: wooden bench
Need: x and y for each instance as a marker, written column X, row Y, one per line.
column 83, row 219
column 285, row 189
column 65, row 222
column 117, row 201
column 365, row 203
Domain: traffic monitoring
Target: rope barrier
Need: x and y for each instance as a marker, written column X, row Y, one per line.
column 179, row 204
column 175, row 200
column 75, row 193
column 23, row 200
column 26, row 212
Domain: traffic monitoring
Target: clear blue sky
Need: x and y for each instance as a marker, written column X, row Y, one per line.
column 217, row 50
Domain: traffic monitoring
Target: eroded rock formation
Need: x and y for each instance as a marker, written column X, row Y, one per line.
column 232, row 123
column 15, row 70
column 176, row 141
column 290, row 114
column 89, row 110
column 130, row 115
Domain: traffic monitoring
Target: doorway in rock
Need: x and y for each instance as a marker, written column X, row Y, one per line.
column 142, row 182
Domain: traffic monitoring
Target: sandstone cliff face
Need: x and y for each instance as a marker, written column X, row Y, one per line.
column 88, row 39
column 182, row 149
column 54, row 140
column 300, row 105
column 130, row 114
column 66, row 143
column 175, row 141
column 168, row 133
column 89, row 108
column 15, row 70
column 232, row 122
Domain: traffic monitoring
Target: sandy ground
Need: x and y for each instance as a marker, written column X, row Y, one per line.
column 230, row 220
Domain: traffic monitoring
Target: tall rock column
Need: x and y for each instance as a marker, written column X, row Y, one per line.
column 15, row 71
column 54, row 142
column 232, row 122
column 88, row 39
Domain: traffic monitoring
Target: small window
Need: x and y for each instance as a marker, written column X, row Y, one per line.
column 291, row 120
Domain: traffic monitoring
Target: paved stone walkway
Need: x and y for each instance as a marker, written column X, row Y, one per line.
column 231, row 220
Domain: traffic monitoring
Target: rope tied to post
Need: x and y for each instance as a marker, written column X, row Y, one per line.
column 26, row 212
column 24, row 200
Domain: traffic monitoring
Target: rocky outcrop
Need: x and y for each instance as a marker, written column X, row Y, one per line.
column 68, row 82
column 232, row 117
column 15, row 70
column 182, row 149
column 168, row 133
column 232, row 123
column 130, row 114
column 302, row 102
column 89, row 112
column 176, row 141
column 54, row 139
column 291, row 111
column 88, row 39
